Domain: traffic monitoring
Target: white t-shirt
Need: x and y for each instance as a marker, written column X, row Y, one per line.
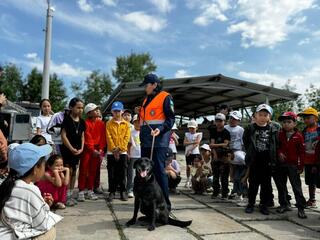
column 192, row 138
column 239, row 158
column 236, row 134
column 26, row 214
column 42, row 123
column 135, row 149
column 172, row 143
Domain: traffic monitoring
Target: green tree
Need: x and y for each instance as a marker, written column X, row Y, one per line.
column 133, row 67
column 312, row 95
column 11, row 83
column 95, row 89
column 57, row 91
column 285, row 106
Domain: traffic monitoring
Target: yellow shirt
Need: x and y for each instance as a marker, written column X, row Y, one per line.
column 118, row 135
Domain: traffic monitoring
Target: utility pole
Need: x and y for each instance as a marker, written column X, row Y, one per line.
column 47, row 54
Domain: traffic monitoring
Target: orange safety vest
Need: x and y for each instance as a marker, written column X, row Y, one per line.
column 153, row 113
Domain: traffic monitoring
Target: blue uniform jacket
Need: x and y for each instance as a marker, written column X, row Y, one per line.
column 162, row 140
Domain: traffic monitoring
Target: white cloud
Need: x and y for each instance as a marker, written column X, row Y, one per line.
column 211, row 10
column 111, row 3
column 85, row 6
column 233, row 66
column 301, row 81
column 112, row 25
column 63, row 69
column 162, row 5
column 144, row 21
column 182, row 73
column 31, row 55
column 304, row 41
column 267, row 23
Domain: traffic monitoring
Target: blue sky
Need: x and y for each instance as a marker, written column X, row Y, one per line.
column 260, row 41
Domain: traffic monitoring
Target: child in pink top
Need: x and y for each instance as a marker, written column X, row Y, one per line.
column 55, row 181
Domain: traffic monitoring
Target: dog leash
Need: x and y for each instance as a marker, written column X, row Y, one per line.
column 152, row 146
column 153, row 137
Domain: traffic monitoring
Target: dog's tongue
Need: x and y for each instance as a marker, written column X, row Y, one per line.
column 143, row 174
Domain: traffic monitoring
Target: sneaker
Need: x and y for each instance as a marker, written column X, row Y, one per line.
column 249, row 209
column 209, row 190
column 130, row 195
column 242, row 202
column 98, row 190
column 70, row 202
column 110, row 197
column 59, row 205
column 283, row 209
column 312, row 203
column 81, row 197
column 124, row 196
column 301, row 213
column 188, row 184
column 264, row 210
column 92, row 196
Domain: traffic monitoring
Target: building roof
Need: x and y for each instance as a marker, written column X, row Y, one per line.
column 201, row 96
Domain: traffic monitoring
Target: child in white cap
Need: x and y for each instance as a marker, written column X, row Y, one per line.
column 191, row 141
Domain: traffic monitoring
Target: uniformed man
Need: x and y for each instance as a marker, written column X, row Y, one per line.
column 156, row 119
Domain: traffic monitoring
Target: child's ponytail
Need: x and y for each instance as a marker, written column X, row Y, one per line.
column 6, row 188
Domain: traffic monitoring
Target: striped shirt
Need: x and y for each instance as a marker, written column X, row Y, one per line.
column 25, row 214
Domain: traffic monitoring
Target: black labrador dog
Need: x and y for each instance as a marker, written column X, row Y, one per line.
column 149, row 198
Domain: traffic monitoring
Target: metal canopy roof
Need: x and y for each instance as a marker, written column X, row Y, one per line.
column 200, row 96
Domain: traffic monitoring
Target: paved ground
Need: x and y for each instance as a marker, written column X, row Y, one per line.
column 212, row 219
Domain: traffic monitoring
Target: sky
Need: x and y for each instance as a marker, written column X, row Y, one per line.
column 265, row 42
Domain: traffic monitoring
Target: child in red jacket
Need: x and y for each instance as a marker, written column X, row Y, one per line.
column 291, row 162
column 94, row 144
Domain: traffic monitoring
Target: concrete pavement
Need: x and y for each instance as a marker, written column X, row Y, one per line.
column 212, row 219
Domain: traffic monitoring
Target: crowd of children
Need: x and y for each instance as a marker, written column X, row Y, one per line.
column 251, row 157
column 65, row 143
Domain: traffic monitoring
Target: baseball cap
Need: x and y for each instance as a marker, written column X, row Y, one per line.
column 236, row 115
column 169, row 153
column 220, row 116
column 309, row 111
column 192, row 124
column 12, row 146
column 150, row 78
column 206, row 147
column 288, row 115
column 264, row 107
column 174, row 127
column 117, row 106
column 90, row 107
column 127, row 111
column 135, row 118
column 23, row 157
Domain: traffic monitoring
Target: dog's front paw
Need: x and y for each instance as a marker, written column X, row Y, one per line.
column 131, row 222
column 151, row 227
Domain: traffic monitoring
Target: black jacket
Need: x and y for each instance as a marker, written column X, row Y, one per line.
column 249, row 141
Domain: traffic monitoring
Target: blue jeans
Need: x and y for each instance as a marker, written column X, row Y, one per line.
column 239, row 172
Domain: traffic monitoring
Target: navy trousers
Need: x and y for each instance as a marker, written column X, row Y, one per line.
column 159, row 159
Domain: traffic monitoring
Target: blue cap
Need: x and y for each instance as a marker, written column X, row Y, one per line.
column 117, row 106
column 150, row 78
column 23, row 157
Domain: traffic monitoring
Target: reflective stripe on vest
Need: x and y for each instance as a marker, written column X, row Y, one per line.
column 153, row 113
